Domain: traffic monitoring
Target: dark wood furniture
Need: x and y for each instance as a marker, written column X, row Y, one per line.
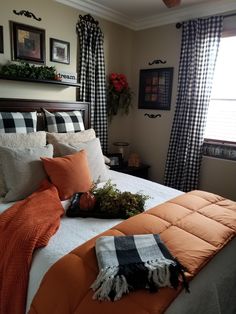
column 54, row 82
column 141, row 171
column 24, row 105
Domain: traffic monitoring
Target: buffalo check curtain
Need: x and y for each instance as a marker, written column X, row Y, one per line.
column 92, row 74
column 200, row 43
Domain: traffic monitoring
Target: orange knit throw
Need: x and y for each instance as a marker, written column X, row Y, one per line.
column 25, row 226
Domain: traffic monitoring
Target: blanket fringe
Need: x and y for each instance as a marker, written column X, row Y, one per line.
column 109, row 285
column 159, row 272
column 113, row 282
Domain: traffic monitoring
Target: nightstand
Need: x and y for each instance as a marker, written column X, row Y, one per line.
column 141, row 171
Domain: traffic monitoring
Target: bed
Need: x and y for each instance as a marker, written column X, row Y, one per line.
column 212, row 290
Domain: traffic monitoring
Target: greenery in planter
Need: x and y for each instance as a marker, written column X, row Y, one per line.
column 109, row 202
column 26, row 70
column 119, row 95
column 112, row 201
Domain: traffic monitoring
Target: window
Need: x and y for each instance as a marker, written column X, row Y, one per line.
column 221, row 120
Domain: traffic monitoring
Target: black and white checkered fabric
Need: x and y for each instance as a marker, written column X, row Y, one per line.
column 200, row 43
column 133, row 262
column 64, row 122
column 92, row 76
column 18, row 122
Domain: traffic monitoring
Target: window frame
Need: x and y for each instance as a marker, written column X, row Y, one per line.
column 226, row 33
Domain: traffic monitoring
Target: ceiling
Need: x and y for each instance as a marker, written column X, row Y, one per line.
column 142, row 14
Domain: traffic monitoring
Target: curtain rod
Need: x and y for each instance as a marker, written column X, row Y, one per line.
column 178, row 25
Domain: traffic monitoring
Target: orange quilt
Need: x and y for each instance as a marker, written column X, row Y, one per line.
column 25, row 226
column 194, row 226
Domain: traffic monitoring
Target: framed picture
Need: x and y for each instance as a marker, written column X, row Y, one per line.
column 1, row 40
column 59, row 51
column 155, row 88
column 28, row 43
column 116, row 159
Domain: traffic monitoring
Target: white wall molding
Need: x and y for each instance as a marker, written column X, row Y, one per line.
column 100, row 11
column 172, row 16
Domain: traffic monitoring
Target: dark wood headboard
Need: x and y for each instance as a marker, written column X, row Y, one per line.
column 24, row 105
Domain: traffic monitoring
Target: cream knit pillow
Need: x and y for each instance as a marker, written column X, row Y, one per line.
column 23, row 170
column 17, row 140
column 69, row 138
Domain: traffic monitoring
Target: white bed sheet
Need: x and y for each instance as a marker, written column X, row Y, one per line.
column 74, row 232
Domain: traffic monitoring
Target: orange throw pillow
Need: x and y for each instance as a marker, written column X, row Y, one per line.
column 70, row 174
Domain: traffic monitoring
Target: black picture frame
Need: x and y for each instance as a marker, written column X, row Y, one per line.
column 27, row 43
column 1, row 40
column 59, row 51
column 155, row 88
column 116, row 160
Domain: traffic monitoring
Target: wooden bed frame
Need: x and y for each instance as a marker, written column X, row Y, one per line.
column 24, row 105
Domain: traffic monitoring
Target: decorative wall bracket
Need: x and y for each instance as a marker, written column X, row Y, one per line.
column 178, row 25
column 27, row 14
column 88, row 18
column 152, row 116
column 157, row 61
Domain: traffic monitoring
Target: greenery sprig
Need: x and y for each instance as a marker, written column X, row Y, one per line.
column 112, row 201
column 26, row 70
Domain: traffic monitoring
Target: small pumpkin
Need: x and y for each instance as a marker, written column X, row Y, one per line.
column 87, row 201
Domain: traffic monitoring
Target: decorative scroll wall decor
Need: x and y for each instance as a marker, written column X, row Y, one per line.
column 27, row 14
column 152, row 116
column 157, row 61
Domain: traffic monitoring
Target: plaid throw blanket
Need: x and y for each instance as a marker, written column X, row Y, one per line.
column 133, row 262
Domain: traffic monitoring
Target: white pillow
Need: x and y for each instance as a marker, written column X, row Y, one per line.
column 73, row 139
column 23, row 170
column 17, row 140
column 95, row 157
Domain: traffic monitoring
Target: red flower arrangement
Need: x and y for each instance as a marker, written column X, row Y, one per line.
column 119, row 94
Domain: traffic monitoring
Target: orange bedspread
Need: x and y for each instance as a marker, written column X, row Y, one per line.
column 25, row 226
column 194, row 226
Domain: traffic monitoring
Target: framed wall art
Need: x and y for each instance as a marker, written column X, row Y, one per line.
column 1, row 40
column 59, row 51
column 116, row 159
column 155, row 88
column 28, row 43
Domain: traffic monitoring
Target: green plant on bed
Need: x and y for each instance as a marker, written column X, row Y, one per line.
column 112, row 201
column 26, row 70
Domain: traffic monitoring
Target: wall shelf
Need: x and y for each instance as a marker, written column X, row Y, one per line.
column 40, row 81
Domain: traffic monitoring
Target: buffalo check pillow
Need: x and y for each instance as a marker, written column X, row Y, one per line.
column 18, row 122
column 64, row 122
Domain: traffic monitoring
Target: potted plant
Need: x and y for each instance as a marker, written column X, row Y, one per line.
column 119, row 95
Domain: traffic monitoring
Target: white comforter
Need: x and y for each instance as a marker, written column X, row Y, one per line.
column 74, row 232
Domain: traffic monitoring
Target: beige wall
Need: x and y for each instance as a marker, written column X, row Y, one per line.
column 219, row 176
column 118, row 46
column 150, row 137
